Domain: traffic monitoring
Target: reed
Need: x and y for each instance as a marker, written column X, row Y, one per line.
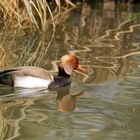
column 32, row 13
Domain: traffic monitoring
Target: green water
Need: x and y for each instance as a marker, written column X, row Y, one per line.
column 101, row 104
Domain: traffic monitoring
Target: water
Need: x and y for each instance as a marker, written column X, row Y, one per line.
column 103, row 103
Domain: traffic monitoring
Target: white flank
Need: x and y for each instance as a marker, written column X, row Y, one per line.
column 31, row 82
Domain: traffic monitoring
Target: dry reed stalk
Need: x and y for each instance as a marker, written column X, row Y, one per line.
column 31, row 13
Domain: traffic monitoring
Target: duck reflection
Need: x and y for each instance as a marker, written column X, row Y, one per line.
column 66, row 97
column 66, row 101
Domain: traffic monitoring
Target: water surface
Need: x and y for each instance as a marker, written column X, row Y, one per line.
column 103, row 103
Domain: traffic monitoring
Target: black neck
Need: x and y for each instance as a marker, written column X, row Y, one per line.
column 62, row 79
column 62, row 72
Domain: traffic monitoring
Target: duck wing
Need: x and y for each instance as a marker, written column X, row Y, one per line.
column 9, row 76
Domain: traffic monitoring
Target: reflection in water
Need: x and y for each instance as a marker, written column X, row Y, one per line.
column 107, row 42
column 65, row 101
column 18, row 108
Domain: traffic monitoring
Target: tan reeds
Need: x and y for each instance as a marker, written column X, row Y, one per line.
column 31, row 13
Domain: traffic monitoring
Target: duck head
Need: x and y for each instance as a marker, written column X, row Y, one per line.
column 69, row 63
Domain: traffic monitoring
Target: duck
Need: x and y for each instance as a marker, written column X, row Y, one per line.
column 37, row 77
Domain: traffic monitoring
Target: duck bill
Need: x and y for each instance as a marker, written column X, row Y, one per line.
column 80, row 68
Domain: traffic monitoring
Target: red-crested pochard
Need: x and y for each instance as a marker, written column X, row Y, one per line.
column 36, row 77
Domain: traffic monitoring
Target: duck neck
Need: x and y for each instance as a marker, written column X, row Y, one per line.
column 62, row 79
column 62, row 72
